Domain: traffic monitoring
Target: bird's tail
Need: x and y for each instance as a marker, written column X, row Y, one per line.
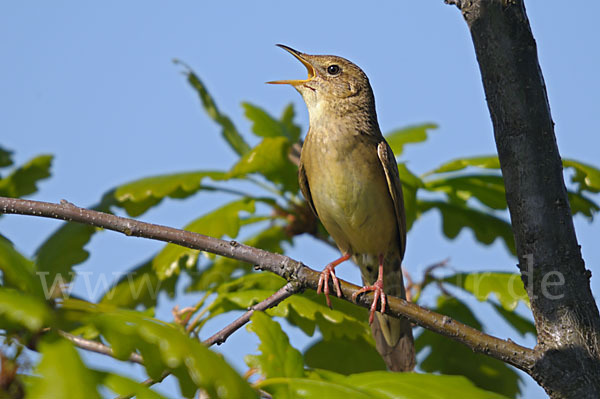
column 393, row 337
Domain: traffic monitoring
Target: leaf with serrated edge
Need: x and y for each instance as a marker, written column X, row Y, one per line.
column 166, row 346
column 582, row 204
column 485, row 162
column 344, row 355
column 508, row 287
column 125, row 386
column 381, row 385
column 263, row 124
column 63, row 373
column 452, row 358
column 277, row 358
column 23, row 180
column 5, row 157
column 229, row 132
column 23, row 310
column 586, row 176
column 139, row 286
column 270, row 159
column 408, row 135
column 268, row 156
column 223, row 221
column 287, row 118
column 18, row 271
column 306, row 310
column 488, row 189
column 486, row 227
column 61, row 251
column 518, row 322
column 138, row 196
column 221, row 269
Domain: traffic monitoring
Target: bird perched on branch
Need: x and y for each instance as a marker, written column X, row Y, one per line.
column 349, row 177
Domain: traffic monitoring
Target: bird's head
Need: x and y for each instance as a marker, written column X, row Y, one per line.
column 334, row 85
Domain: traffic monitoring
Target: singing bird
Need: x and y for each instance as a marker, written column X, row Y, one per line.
column 349, row 177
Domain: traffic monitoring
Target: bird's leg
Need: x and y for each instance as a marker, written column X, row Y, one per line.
column 377, row 289
column 324, row 279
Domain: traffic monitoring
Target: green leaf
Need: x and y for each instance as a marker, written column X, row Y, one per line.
column 344, row 355
column 278, row 358
column 263, row 124
column 125, row 386
column 586, row 176
column 488, row 189
column 224, row 221
column 22, row 181
column 269, row 156
column 165, row 346
column 23, row 310
column 222, row 269
column 450, row 357
column 140, row 195
column 304, row 388
column 485, row 162
column 287, row 118
column 409, row 178
column 229, row 132
column 306, row 310
column 139, row 286
column 410, row 205
column 5, row 158
column 61, row 251
column 18, row 271
column 411, row 134
column 65, row 248
column 520, row 323
column 582, row 204
column 270, row 159
column 508, row 287
column 63, row 374
column 410, row 184
column 486, row 227
column 379, row 385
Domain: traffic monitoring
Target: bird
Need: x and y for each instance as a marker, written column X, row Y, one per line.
column 349, row 176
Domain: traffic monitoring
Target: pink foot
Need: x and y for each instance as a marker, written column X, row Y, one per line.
column 378, row 294
column 327, row 272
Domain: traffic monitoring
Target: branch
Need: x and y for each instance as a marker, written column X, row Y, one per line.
column 288, row 268
column 284, row 292
column 97, row 347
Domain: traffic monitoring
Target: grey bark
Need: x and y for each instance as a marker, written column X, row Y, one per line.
column 550, row 261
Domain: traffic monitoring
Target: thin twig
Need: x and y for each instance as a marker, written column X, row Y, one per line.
column 284, row 292
column 97, row 347
column 288, row 268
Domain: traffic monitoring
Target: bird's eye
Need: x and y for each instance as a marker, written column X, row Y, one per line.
column 333, row 69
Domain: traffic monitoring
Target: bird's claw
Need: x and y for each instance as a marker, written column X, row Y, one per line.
column 378, row 295
column 323, row 285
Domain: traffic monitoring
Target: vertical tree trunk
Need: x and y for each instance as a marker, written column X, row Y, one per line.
column 552, row 269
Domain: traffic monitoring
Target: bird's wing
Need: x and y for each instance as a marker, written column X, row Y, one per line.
column 388, row 161
column 303, row 180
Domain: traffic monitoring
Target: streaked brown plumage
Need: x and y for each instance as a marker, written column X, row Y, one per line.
column 349, row 177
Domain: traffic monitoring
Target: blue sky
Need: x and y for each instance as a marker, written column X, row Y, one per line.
column 95, row 85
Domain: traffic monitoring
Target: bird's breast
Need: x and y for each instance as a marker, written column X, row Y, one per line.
column 350, row 192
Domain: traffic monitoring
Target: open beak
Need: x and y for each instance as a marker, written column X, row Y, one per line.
column 302, row 58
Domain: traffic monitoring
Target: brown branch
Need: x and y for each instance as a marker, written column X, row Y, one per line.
column 97, row 347
column 281, row 265
column 284, row 292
